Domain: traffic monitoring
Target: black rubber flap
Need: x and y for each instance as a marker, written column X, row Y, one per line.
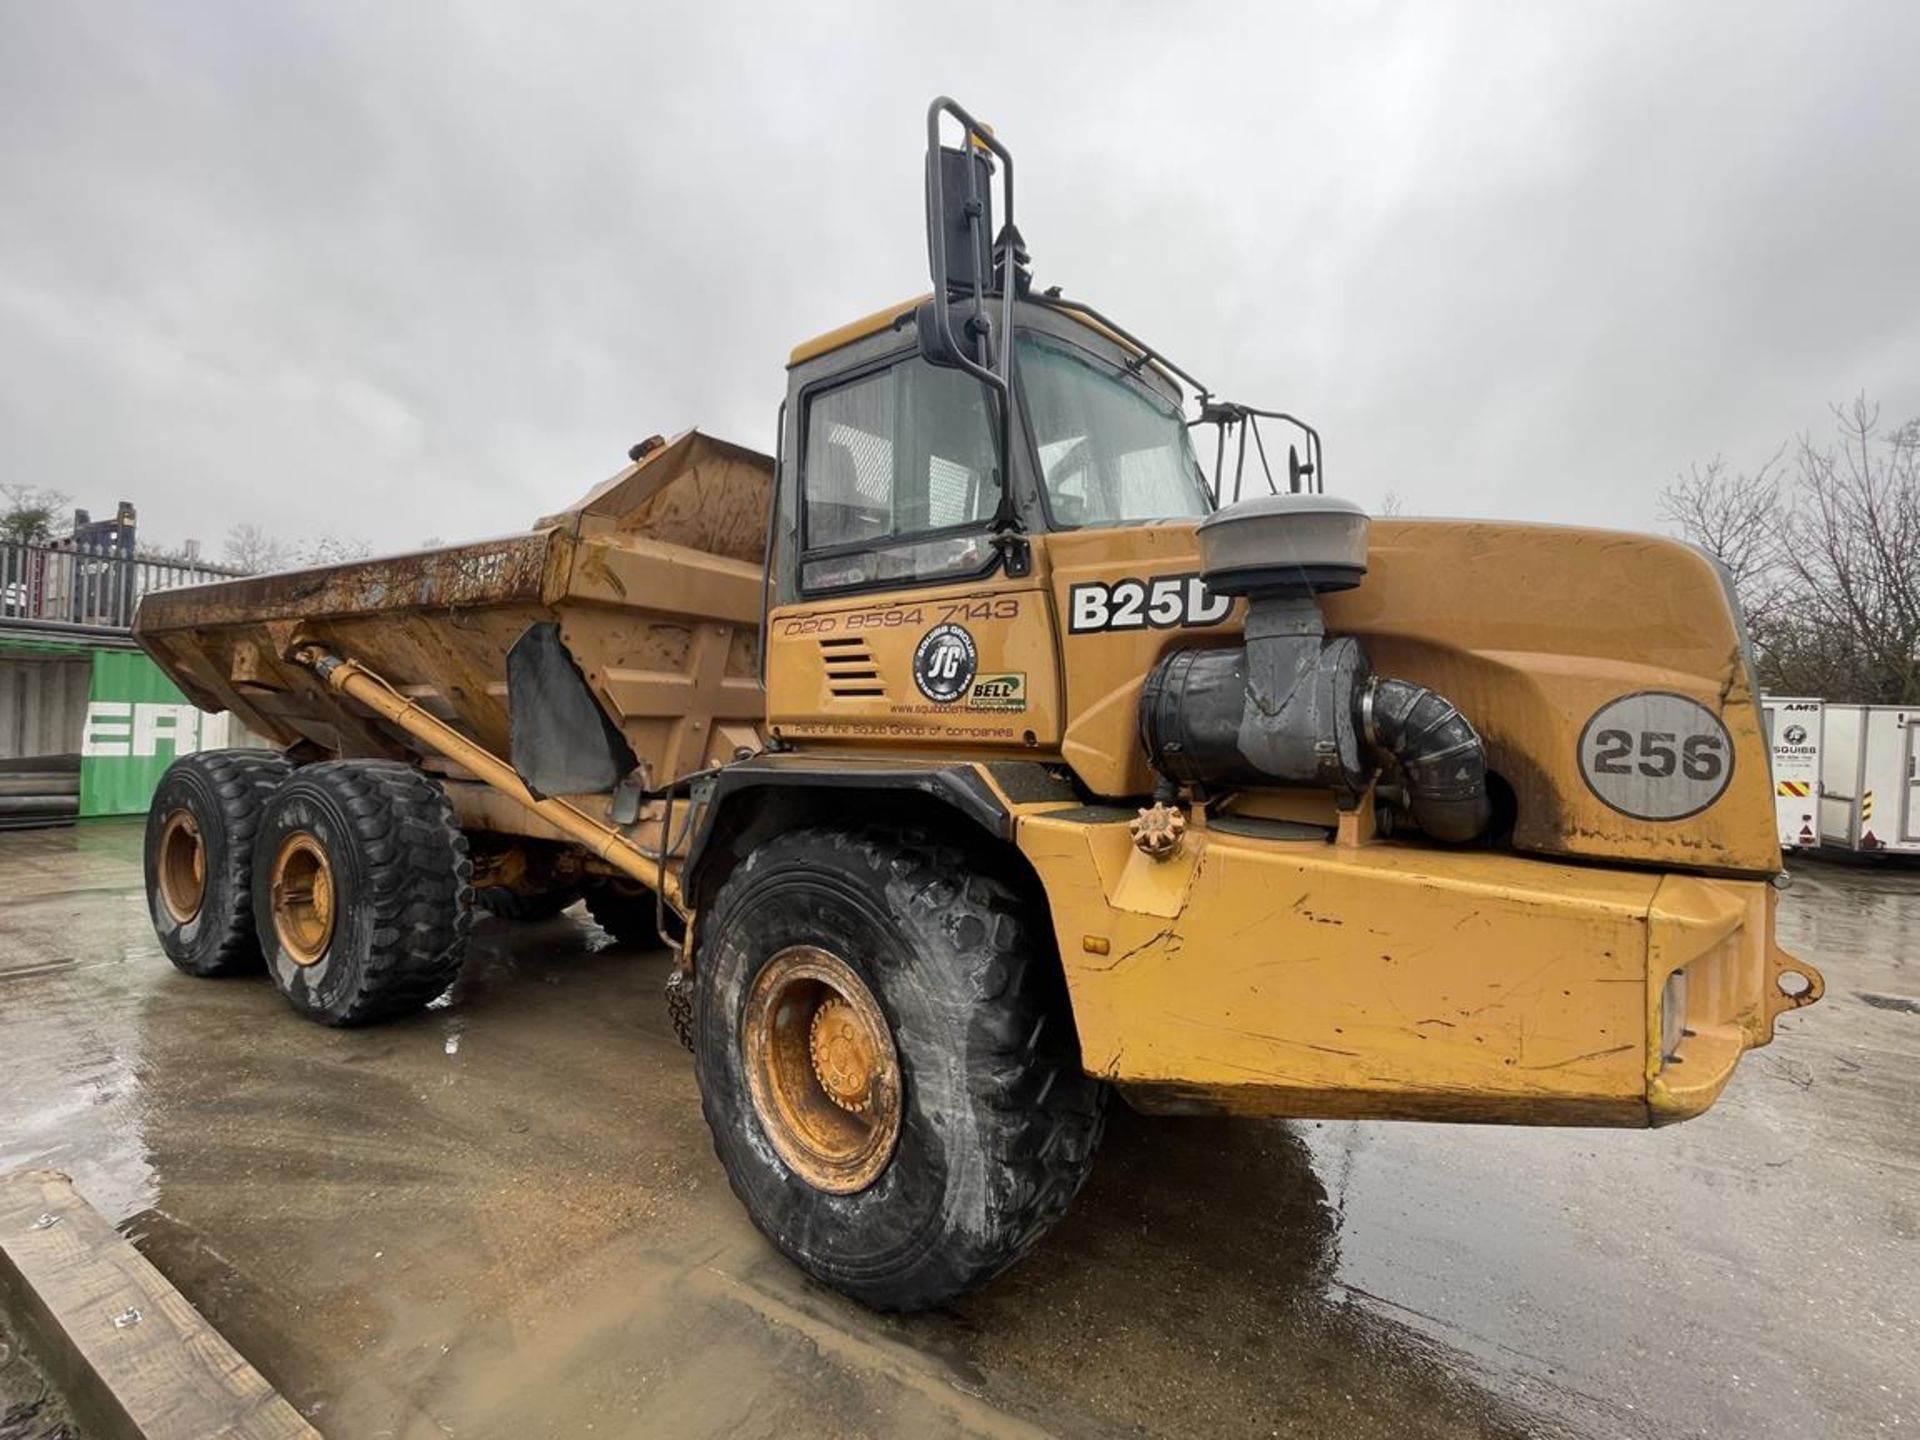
column 563, row 742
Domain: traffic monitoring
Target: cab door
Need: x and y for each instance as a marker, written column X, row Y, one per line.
column 902, row 625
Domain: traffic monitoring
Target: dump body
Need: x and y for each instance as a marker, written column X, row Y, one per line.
column 655, row 580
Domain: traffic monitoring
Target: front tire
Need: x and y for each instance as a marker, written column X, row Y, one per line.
column 199, row 857
column 887, row 1063
column 361, row 891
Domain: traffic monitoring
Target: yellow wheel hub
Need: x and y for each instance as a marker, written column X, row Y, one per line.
column 843, row 1057
column 822, row 1069
column 182, row 866
column 303, row 898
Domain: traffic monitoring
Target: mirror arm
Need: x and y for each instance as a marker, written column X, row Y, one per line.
column 995, row 377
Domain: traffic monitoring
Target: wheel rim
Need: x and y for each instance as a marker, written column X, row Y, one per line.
column 182, row 866
column 302, row 898
column 823, row 1070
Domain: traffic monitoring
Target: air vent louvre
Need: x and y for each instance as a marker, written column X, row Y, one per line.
column 852, row 673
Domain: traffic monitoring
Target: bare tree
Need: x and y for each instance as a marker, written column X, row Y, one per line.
column 1824, row 550
column 334, row 550
column 30, row 512
column 252, row 550
column 1851, row 547
column 1734, row 515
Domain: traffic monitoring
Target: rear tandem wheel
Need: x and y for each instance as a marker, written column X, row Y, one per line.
column 361, row 891
column 199, row 857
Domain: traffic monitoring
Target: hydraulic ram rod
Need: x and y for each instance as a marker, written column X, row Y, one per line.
column 354, row 680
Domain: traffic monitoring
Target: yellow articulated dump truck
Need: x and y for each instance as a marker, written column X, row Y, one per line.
column 1030, row 729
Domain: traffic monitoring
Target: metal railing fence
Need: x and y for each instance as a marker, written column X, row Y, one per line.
column 81, row 585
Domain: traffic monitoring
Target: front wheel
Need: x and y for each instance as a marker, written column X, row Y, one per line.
column 887, row 1063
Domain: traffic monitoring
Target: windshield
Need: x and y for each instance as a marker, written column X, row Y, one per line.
column 1111, row 452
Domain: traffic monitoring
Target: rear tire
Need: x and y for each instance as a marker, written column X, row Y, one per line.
column 361, row 891
column 199, row 857
column 946, row 1036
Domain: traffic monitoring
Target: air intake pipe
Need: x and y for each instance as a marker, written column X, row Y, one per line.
column 1291, row 707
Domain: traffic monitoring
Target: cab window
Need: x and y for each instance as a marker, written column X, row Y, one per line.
column 1111, row 451
column 899, row 479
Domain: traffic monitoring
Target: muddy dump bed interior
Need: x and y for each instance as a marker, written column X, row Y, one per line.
column 655, row 580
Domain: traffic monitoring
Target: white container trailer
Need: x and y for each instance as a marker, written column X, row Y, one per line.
column 1794, row 738
column 1870, row 778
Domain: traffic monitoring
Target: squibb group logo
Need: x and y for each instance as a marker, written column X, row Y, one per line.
column 118, row 729
column 1792, row 742
column 946, row 667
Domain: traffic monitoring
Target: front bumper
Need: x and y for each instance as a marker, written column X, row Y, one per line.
column 1263, row 975
column 1719, row 933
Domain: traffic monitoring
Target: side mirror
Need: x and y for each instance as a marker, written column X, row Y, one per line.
column 954, row 328
column 960, row 216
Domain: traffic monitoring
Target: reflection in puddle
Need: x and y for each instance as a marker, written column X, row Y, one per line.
column 1202, row 1254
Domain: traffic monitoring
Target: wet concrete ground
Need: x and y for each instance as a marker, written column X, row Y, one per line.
column 502, row 1218
column 30, row 1409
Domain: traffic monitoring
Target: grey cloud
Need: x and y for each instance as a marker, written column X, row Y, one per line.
column 406, row 270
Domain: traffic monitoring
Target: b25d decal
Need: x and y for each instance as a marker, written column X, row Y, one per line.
column 1161, row 603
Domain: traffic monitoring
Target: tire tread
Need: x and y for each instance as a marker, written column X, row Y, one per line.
column 418, row 874
column 242, row 781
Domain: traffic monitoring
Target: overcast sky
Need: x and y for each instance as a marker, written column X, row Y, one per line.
column 392, row 270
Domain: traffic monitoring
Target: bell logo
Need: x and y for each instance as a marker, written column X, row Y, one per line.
column 999, row 692
column 120, row 728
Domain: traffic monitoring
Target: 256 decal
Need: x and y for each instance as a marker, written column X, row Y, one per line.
column 1656, row 755
column 1160, row 603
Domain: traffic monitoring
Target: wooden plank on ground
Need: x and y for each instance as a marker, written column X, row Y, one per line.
column 134, row 1360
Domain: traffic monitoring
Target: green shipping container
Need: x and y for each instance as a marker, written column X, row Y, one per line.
column 137, row 724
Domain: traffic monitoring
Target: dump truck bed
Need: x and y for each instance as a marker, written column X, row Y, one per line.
column 655, row 580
